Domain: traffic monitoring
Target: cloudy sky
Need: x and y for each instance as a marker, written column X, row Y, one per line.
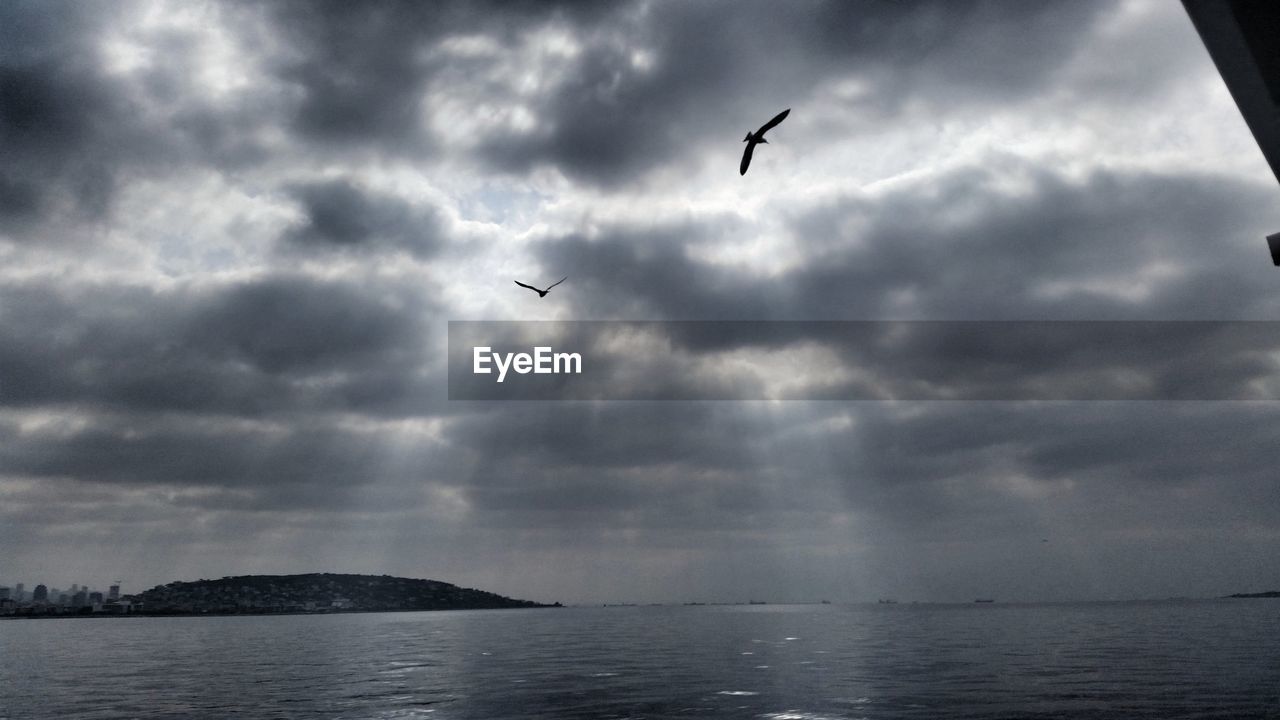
column 232, row 236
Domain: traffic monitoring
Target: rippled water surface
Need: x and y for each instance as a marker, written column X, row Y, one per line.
column 1159, row 659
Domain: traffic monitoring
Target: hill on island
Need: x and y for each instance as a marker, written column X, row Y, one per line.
column 317, row 592
column 1268, row 594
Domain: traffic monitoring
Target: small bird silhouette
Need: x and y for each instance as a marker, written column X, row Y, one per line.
column 753, row 139
column 542, row 293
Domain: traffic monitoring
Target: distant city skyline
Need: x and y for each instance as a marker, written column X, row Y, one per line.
column 17, row 589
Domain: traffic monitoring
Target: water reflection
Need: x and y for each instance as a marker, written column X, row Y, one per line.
column 820, row 661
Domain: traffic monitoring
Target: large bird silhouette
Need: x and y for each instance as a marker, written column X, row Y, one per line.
column 757, row 137
column 542, row 293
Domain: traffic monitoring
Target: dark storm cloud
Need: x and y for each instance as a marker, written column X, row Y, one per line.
column 1182, row 442
column 901, row 360
column 611, row 118
column 201, row 105
column 649, row 273
column 943, row 53
column 959, row 247
column 363, row 68
column 680, row 466
column 605, row 435
column 359, row 67
column 1061, row 360
column 1061, row 248
column 235, row 389
column 286, row 325
column 259, row 347
column 64, row 128
column 302, row 464
column 290, row 398
column 1104, row 465
column 341, row 75
column 75, row 133
column 188, row 455
column 340, row 214
column 933, row 471
column 645, row 85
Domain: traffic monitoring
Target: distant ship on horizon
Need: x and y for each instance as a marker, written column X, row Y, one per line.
column 984, row 600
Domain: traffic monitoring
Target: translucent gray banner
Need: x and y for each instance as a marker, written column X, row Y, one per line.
column 864, row 360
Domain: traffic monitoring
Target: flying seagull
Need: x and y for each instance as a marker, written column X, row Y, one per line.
column 756, row 138
column 542, row 293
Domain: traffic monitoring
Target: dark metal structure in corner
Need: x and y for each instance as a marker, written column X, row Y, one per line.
column 1243, row 38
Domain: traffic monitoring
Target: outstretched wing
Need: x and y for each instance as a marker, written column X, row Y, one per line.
column 566, row 277
column 773, row 123
column 746, row 158
column 526, row 286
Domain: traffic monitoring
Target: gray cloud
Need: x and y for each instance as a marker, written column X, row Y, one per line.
column 888, row 360
column 76, row 133
column 339, row 214
column 647, row 273
column 278, row 344
column 358, row 69
column 1093, row 240
column 958, row 248
column 61, row 126
column 918, row 487
column 611, row 118
column 365, row 74
column 211, row 389
column 363, row 69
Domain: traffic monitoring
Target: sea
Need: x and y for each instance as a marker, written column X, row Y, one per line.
column 1158, row 659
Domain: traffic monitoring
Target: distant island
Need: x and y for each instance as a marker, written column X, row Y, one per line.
column 289, row 594
column 318, row 592
column 1268, row 594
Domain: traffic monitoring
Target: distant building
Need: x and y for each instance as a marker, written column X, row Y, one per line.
column 4, row 593
column 40, row 594
column 95, row 598
column 114, row 592
column 20, row 593
column 80, row 599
